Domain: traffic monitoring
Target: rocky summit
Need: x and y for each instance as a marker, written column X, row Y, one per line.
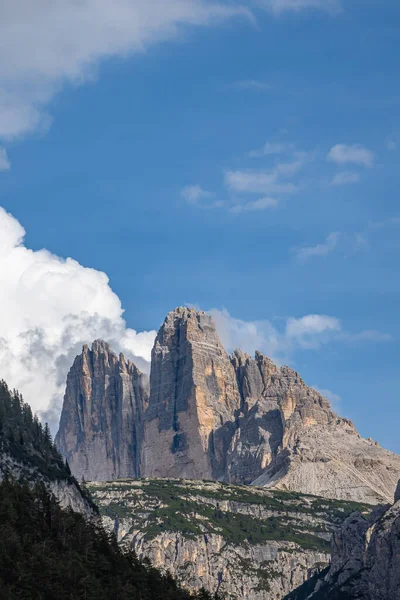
column 101, row 424
column 211, row 416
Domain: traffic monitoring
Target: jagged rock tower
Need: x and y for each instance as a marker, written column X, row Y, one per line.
column 194, row 400
column 101, row 424
column 236, row 419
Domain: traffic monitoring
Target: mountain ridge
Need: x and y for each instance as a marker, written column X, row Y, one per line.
column 208, row 415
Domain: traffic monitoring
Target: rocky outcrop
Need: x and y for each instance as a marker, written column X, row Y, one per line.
column 320, row 453
column 240, row 541
column 365, row 560
column 194, row 400
column 210, row 416
column 67, row 491
column 101, row 424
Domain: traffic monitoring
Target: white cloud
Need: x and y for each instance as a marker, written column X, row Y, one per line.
column 312, row 330
column 303, row 254
column 197, row 196
column 258, row 182
column 50, row 307
column 5, row 164
column 271, row 148
column 369, row 335
column 345, row 178
column 48, row 44
column 247, row 335
column 268, row 181
column 356, row 154
column 193, row 193
column 309, row 332
column 279, row 6
column 256, row 205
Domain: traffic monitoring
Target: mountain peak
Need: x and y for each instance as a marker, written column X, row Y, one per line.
column 101, row 421
column 208, row 415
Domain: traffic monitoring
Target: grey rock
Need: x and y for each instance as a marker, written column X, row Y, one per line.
column 101, row 427
column 210, row 416
column 240, row 541
column 194, row 400
column 365, row 560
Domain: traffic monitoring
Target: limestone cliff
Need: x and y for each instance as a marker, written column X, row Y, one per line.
column 101, row 427
column 365, row 560
column 210, row 416
column 194, row 400
column 240, row 541
column 315, row 451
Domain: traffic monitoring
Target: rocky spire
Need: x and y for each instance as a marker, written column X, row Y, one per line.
column 194, row 400
column 236, row 419
column 100, row 430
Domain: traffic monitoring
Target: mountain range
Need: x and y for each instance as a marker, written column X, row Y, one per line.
column 206, row 415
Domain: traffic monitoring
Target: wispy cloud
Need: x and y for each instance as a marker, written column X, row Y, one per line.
column 333, row 398
column 271, row 181
column 5, row 164
column 197, row 196
column 258, row 182
column 271, row 149
column 323, row 249
column 279, row 6
column 57, row 43
column 255, row 205
column 345, row 178
column 279, row 178
column 354, row 154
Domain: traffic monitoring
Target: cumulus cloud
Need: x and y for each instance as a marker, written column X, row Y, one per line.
column 280, row 342
column 345, row 178
column 356, row 154
column 50, row 44
column 5, row 164
column 304, row 254
column 50, row 308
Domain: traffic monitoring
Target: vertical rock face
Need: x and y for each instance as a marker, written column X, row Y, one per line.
column 193, row 403
column 100, row 430
column 365, row 560
column 235, row 419
column 260, row 425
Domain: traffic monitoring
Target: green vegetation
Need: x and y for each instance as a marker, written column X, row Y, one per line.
column 27, row 441
column 23, row 436
column 47, row 553
column 174, row 507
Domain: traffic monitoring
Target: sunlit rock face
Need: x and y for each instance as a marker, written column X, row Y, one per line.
column 101, row 423
column 212, row 416
column 194, row 400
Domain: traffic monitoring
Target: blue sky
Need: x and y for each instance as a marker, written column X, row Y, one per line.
column 244, row 161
